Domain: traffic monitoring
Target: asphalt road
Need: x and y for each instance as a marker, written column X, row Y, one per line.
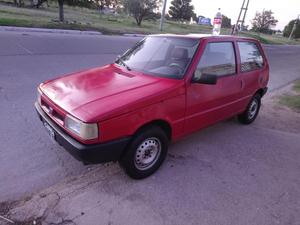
column 29, row 161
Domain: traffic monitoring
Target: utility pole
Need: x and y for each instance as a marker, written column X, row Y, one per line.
column 163, row 16
column 294, row 27
column 244, row 9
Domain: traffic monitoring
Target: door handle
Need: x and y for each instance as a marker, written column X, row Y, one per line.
column 242, row 84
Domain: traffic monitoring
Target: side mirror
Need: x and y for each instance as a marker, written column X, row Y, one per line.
column 204, row 78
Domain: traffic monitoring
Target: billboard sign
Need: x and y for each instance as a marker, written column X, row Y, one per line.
column 204, row 21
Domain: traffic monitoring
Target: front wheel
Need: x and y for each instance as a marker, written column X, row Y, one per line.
column 145, row 153
column 252, row 110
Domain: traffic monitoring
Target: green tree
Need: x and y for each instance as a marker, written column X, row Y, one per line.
column 181, row 10
column 19, row 3
column 195, row 17
column 288, row 29
column 108, row 3
column 82, row 3
column 263, row 21
column 226, row 22
column 141, row 9
column 38, row 3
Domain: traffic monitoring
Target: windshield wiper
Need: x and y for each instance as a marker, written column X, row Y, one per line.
column 119, row 59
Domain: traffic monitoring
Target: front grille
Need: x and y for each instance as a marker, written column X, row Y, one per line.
column 52, row 112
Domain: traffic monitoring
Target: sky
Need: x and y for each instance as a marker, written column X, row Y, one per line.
column 284, row 11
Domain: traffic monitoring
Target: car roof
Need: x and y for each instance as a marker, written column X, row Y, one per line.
column 205, row 36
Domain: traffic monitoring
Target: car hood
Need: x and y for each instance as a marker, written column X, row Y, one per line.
column 100, row 93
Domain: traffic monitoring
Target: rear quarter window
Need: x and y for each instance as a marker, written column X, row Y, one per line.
column 251, row 58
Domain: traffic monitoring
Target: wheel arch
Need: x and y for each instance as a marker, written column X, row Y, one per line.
column 163, row 124
column 261, row 92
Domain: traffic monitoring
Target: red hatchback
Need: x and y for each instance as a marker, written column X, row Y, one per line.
column 162, row 89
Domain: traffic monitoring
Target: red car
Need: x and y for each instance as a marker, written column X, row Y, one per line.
column 162, row 89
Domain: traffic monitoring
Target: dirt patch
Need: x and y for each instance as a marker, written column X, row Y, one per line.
column 29, row 222
column 5, row 207
column 275, row 115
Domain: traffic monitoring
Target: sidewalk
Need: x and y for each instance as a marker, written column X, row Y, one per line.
column 58, row 31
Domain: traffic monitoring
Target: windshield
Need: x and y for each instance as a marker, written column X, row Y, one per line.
column 161, row 56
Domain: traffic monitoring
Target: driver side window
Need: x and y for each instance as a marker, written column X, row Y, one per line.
column 217, row 59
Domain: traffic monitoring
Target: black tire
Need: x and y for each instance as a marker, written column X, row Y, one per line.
column 251, row 111
column 144, row 143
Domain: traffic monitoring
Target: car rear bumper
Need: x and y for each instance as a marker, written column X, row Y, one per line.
column 94, row 153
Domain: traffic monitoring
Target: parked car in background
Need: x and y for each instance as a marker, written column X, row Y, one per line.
column 165, row 87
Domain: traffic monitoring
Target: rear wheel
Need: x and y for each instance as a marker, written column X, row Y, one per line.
column 145, row 153
column 252, row 110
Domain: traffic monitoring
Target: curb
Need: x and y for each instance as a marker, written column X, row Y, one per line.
column 45, row 30
column 134, row 35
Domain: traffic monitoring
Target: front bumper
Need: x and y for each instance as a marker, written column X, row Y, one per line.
column 94, row 153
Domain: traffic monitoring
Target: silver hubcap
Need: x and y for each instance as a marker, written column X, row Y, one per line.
column 147, row 153
column 253, row 109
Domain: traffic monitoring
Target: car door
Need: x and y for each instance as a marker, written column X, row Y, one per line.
column 207, row 103
column 252, row 70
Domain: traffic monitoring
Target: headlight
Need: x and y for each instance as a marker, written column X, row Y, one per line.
column 86, row 131
column 39, row 95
